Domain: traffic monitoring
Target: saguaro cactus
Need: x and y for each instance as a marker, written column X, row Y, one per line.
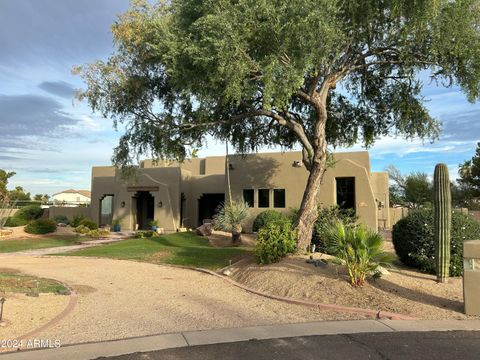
column 442, row 206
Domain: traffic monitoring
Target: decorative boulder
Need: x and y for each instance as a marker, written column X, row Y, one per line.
column 204, row 230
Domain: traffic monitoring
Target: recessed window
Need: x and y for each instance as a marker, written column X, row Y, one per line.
column 248, row 197
column 346, row 192
column 263, row 198
column 279, row 198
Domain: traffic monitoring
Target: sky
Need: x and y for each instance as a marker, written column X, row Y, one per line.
column 52, row 140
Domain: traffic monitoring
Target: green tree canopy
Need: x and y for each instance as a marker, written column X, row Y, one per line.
column 414, row 190
column 470, row 173
column 306, row 73
column 4, row 176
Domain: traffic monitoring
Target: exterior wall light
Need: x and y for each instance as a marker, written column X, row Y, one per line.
column 122, row 204
column 230, row 166
column 160, row 204
column 297, row 163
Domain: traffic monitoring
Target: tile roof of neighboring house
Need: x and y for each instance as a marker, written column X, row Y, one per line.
column 86, row 193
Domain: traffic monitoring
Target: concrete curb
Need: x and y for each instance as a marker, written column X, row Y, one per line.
column 86, row 351
column 375, row 314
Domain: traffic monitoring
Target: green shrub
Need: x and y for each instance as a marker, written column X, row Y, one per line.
column 28, row 213
column 360, row 250
column 61, row 219
column 328, row 218
column 76, row 220
column 12, row 221
column 413, row 239
column 98, row 233
column 275, row 240
column 92, row 225
column 41, row 226
column 145, row 234
column 266, row 217
column 82, row 229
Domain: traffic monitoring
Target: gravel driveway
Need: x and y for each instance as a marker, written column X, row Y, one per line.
column 118, row 299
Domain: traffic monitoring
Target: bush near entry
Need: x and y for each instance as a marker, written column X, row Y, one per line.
column 89, row 223
column 275, row 240
column 41, row 226
column 61, row 219
column 265, row 217
column 413, row 239
column 76, row 220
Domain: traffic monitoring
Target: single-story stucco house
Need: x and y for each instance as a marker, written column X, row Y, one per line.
column 183, row 195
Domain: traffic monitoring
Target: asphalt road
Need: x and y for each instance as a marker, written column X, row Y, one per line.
column 399, row 345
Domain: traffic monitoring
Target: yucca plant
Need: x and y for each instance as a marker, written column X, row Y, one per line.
column 230, row 217
column 359, row 249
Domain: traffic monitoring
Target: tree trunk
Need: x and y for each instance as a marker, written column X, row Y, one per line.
column 308, row 209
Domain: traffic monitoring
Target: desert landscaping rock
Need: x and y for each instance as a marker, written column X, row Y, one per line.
column 120, row 299
column 402, row 291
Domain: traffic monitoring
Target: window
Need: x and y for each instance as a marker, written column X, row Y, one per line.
column 248, row 197
column 279, row 198
column 346, row 193
column 106, row 210
column 263, row 198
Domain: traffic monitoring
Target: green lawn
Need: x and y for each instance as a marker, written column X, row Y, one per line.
column 26, row 284
column 36, row 243
column 184, row 248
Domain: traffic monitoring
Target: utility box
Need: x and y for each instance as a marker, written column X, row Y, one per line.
column 471, row 277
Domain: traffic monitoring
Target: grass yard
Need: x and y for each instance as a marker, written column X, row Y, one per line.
column 14, row 282
column 7, row 246
column 184, row 248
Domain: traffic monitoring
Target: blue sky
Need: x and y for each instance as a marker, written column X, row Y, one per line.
column 51, row 141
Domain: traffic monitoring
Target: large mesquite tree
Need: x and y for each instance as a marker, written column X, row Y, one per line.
column 307, row 73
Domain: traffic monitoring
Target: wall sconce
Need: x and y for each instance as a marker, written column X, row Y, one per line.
column 297, row 163
column 160, row 204
column 230, row 167
column 122, row 204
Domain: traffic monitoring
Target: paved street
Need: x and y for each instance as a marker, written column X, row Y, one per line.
column 399, row 345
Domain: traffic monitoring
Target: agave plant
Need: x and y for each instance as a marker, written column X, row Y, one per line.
column 359, row 249
column 230, row 217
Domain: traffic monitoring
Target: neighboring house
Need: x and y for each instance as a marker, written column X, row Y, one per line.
column 72, row 197
column 185, row 194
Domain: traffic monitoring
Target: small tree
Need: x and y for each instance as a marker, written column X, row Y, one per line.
column 413, row 190
column 230, row 217
column 307, row 73
column 469, row 172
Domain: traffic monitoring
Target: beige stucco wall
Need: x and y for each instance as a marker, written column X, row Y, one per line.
column 69, row 212
column 365, row 204
column 106, row 181
column 255, row 171
column 379, row 181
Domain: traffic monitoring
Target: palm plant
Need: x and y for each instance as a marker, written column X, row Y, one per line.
column 230, row 217
column 359, row 249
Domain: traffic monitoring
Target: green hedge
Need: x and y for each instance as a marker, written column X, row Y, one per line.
column 89, row 223
column 30, row 212
column 12, row 221
column 61, row 219
column 414, row 244
column 275, row 240
column 266, row 217
column 41, row 226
